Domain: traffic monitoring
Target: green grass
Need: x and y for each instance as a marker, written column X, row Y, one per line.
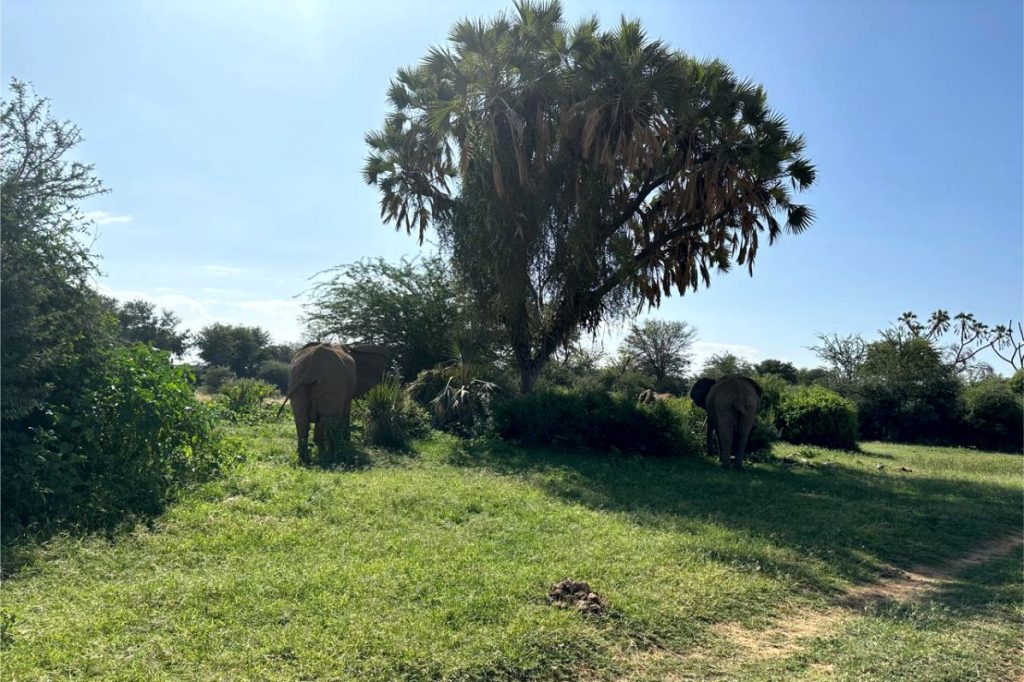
column 435, row 565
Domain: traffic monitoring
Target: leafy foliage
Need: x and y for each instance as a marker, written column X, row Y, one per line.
column 123, row 442
column 457, row 394
column 779, row 368
column 660, row 348
column 726, row 364
column 275, row 373
column 576, row 173
column 246, row 400
column 844, row 356
column 905, row 392
column 51, row 322
column 594, row 420
column 817, row 416
column 241, row 349
column 994, row 416
column 413, row 309
column 139, row 323
column 92, row 430
column 390, row 417
column 215, row 377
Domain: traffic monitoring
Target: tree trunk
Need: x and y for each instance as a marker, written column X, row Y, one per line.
column 528, row 377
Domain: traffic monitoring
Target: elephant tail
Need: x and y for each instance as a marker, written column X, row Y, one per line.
column 288, row 397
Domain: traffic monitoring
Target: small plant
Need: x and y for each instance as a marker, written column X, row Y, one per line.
column 456, row 395
column 245, row 400
column 390, row 417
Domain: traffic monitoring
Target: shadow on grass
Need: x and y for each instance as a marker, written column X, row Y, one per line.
column 851, row 519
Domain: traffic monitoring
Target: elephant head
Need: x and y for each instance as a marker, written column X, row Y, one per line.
column 371, row 363
column 323, row 380
column 731, row 404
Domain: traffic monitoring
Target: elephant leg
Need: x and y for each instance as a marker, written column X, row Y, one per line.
column 346, row 420
column 319, row 435
column 744, row 425
column 726, row 427
column 712, row 443
column 301, row 416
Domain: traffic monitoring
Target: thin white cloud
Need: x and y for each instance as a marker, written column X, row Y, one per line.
column 223, row 270
column 104, row 218
column 702, row 350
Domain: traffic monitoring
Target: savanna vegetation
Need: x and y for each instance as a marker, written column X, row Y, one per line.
column 157, row 525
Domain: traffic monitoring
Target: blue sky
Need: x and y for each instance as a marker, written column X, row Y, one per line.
column 231, row 134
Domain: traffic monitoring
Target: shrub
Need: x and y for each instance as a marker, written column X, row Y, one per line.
column 594, row 420
column 994, row 416
column 245, row 399
column 131, row 437
column 275, row 373
column 817, row 416
column 390, row 417
column 456, row 398
column 763, row 435
column 214, row 377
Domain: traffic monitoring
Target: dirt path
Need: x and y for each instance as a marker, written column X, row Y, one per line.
column 790, row 632
column 897, row 585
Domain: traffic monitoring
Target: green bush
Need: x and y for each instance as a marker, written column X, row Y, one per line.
column 456, row 398
column 904, row 392
column 595, row 420
column 994, row 416
column 817, row 416
column 1016, row 382
column 245, row 399
column 132, row 435
column 215, row 377
column 763, row 435
column 275, row 373
column 390, row 417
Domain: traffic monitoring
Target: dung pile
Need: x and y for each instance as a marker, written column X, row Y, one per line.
column 576, row 594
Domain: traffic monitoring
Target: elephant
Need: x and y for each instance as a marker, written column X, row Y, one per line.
column 731, row 404
column 650, row 396
column 322, row 382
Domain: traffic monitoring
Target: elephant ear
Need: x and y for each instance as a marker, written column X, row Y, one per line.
column 699, row 392
column 371, row 362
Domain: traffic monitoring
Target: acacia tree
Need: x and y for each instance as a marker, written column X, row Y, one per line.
column 575, row 174
column 139, row 323
column 660, row 347
column 51, row 323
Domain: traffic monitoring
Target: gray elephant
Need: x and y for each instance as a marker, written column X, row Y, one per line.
column 649, row 397
column 322, row 382
column 731, row 404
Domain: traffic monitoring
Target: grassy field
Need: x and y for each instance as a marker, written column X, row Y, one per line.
column 437, row 564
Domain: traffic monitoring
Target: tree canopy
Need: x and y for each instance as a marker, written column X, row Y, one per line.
column 241, row 349
column 139, row 323
column 51, row 321
column 575, row 173
column 661, row 348
column 413, row 308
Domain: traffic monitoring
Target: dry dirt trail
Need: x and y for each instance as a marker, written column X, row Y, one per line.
column 788, row 634
column 897, row 585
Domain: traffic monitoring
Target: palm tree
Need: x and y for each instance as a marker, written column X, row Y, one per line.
column 575, row 173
